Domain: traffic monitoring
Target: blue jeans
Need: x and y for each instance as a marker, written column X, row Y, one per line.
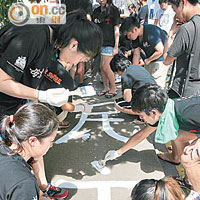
column 107, row 51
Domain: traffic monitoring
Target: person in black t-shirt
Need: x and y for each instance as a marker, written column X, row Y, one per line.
column 26, row 135
column 132, row 77
column 24, row 56
column 107, row 17
column 57, row 76
column 132, row 9
column 151, row 40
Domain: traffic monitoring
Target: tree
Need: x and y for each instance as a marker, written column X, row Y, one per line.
column 5, row 5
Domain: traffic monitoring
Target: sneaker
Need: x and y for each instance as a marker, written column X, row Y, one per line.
column 55, row 193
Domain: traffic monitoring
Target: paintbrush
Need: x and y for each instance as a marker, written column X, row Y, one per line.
column 101, row 167
column 101, row 164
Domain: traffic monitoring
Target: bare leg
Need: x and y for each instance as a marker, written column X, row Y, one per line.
column 107, row 74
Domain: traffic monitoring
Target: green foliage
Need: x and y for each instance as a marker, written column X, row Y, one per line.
column 5, row 4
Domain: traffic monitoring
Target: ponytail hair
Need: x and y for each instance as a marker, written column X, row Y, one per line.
column 78, row 27
column 163, row 189
column 32, row 119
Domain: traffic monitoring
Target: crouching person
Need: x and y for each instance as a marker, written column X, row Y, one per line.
column 26, row 135
column 171, row 119
column 132, row 77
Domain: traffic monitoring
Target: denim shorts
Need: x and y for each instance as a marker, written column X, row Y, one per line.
column 107, row 51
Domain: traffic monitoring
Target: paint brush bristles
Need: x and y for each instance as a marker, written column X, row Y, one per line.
column 101, row 164
column 101, row 167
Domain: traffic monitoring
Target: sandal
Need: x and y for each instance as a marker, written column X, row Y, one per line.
column 110, row 95
column 101, row 93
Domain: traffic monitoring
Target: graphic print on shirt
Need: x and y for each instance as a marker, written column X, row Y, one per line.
column 21, row 62
column 164, row 19
column 146, row 44
column 36, row 73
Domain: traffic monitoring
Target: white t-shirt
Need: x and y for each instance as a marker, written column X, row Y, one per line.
column 165, row 18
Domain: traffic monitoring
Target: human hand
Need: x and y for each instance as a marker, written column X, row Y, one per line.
column 175, row 26
column 147, row 61
column 111, row 155
column 193, row 149
column 88, row 108
column 83, row 108
column 55, row 97
column 115, row 51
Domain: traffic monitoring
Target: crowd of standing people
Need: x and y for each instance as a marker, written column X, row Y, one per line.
column 33, row 105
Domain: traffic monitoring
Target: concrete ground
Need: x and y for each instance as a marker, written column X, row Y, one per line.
column 68, row 163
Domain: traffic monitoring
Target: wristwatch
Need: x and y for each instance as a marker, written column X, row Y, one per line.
column 170, row 36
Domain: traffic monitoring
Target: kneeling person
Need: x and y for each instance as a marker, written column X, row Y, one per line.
column 132, row 77
column 172, row 120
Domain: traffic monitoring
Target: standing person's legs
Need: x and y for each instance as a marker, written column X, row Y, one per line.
column 106, row 72
column 108, row 75
column 159, row 71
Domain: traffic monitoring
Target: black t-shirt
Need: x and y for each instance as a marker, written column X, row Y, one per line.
column 56, row 76
column 152, row 35
column 107, row 22
column 136, row 76
column 24, row 55
column 187, row 113
column 180, row 49
column 17, row 181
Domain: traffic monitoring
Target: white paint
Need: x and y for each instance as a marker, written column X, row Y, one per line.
column 103, row 187
column 108, row 129
column 102, row 170
column 74, row 133
column 95, row 184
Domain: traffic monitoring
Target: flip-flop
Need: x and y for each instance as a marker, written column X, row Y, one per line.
column 161, row 157
column 102, row 93
column 110, row 95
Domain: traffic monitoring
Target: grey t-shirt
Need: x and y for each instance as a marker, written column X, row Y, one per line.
column 180, row 48
column 143, row 13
